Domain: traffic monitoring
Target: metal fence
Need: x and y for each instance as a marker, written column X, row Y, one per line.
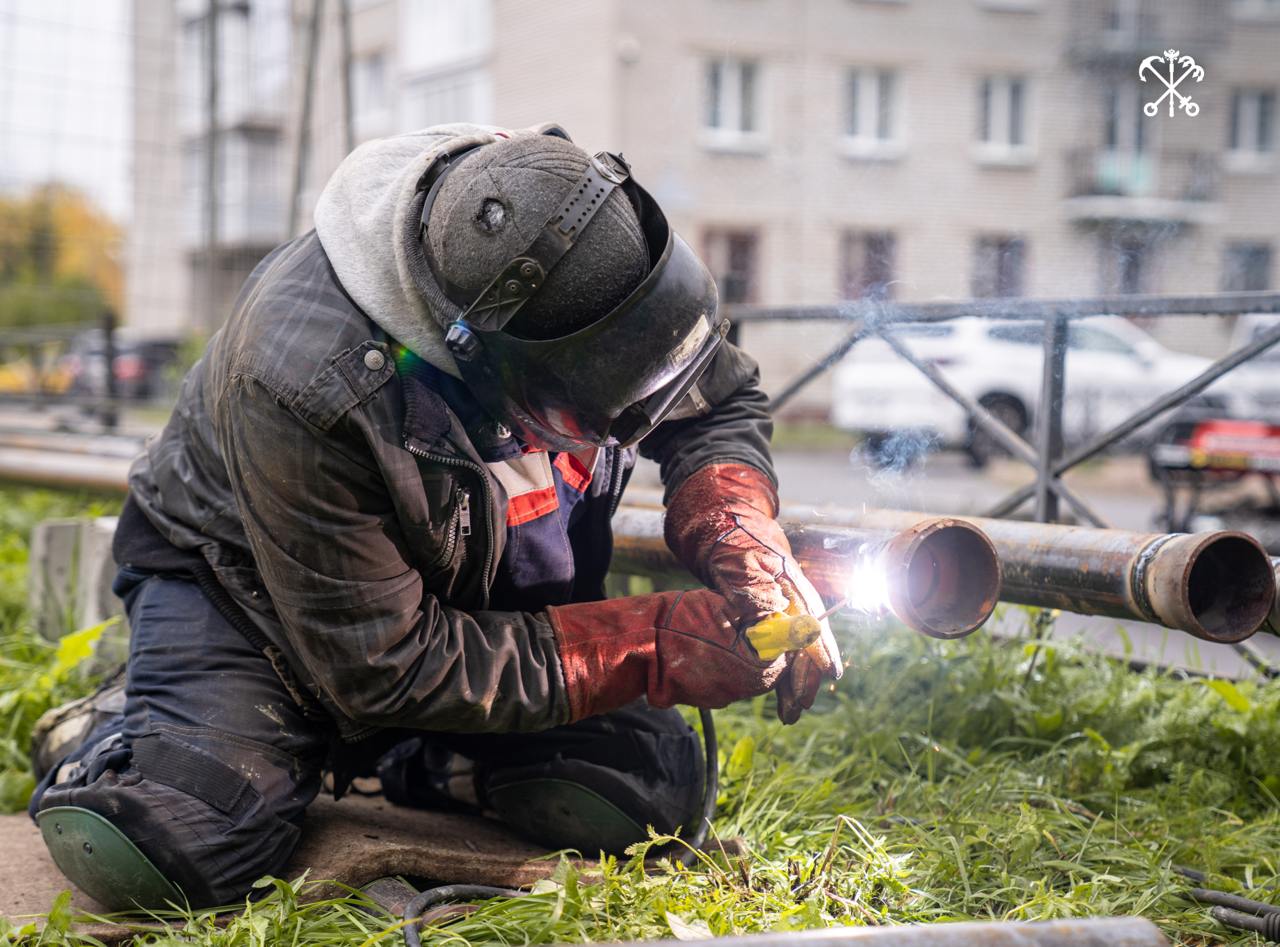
column 83, row 375
column 873, row 318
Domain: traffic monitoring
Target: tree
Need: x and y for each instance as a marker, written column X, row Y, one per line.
column 59, row 259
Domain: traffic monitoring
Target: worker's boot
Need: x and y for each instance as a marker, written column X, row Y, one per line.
column 61, row 730
column 422, row 774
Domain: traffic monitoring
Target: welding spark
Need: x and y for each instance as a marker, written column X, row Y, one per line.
column 867, row 588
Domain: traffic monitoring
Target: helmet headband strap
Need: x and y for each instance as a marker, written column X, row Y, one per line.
column 525, row 273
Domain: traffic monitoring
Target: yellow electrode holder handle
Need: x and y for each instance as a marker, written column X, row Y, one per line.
column 780, row 633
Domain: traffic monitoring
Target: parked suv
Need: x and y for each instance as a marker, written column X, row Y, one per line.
column 1113, row 369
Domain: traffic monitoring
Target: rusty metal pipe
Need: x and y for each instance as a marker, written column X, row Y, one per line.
column 1068, row 932
column 1272, row 624
column 944, row 577
column 1218, row 586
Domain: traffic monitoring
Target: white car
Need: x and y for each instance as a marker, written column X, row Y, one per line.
column 1257, row 381
column 1113, row 368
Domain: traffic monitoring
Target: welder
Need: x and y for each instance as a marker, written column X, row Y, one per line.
column 372, row 538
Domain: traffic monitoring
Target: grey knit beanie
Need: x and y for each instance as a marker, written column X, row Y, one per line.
column 492, row 205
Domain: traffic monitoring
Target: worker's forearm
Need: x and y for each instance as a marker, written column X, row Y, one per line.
column 735, row 428
column 448, row 670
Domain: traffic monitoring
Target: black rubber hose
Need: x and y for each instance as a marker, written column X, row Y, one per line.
column 424, row 900
column 1268, row 925
column 710, row 788
column 1233, row 901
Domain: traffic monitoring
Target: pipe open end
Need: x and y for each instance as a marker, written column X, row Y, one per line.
column 1231, row 587
column 952, row 579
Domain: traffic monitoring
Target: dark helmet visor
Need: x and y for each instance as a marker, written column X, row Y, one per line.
column 615, row 380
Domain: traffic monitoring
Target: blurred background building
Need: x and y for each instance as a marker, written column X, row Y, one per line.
column 811, row 150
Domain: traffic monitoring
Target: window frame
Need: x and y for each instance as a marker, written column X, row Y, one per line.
column 997, row 247
column 1235, row 262
column 996, row 100
column 855, row 275
column 717, row 241
column 865, row 115
column 722, row 98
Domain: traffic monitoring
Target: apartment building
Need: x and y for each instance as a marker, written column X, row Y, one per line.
column 822, row 150
column 175, row 280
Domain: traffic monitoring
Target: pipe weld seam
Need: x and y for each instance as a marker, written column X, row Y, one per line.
column 1138, row 576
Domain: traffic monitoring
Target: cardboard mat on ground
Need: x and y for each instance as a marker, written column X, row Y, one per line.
column 352, row 842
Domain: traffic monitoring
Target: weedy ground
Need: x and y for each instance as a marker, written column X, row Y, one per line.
column 937, row 782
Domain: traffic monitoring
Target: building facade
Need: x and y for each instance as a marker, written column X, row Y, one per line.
column 820, row 150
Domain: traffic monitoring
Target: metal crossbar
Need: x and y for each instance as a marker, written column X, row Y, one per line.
column 875, row 317
column 1008, row 438
column 1139, row 418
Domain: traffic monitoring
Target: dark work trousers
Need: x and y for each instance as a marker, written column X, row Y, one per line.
column 212, row 765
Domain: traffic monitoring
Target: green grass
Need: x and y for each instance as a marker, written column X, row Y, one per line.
column 939, row 781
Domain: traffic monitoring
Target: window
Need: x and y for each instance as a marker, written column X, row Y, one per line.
column 1018, row 333
column 1092, row 339
column 464, row 95
column 1002, row 116
column 732, row 112
column 998, row 264
column 866, row 264
column 251, row 187
column 1125, row 262
column 1247, row 268
column 370, row 98
column 444, row 33
column 731, row 257
column 1125, row 127
column 871, row 106
column 1256, row 9
column 1252, row 125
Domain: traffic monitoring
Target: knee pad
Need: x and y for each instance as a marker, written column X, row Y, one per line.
column 102, row 862
column 563, row 813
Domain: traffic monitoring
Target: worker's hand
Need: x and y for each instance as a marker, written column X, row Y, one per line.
column 670, row 647
column 721, row 525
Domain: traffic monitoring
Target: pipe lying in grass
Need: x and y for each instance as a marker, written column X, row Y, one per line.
column 937, row 575
column 1219, row 586
column 1070, row 932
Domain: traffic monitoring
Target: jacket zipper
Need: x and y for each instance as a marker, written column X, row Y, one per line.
column 464, row 506
column 459, row 525
column 464, row 512
column 615, row 481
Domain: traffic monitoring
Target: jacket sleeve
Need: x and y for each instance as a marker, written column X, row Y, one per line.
column 325, row 539
column 726, row 419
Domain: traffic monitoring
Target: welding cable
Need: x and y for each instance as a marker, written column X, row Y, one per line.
column 425, row 900
column 1233, row 901
column 431, row 897
column 710, row 788
column 1268, row 925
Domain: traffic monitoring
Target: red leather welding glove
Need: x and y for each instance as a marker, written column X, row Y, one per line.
column 721, row 524
column 671, row 647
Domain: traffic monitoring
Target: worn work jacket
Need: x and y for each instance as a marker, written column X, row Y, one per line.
column 327, row 486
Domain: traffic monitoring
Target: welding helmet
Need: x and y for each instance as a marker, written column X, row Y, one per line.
column 614, row 375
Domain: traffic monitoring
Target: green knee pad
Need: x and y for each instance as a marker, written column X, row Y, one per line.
column 560, row 813
column 101, row 861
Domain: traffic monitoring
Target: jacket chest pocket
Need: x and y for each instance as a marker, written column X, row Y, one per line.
column 439, row 538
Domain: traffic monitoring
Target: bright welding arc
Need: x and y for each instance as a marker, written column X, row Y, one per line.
column 867, row 588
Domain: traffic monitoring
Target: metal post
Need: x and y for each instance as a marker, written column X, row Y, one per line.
column 304, row 118
column 209, row 311
column 1049, row 431
column 109, row 414
column 348, row 114
column 817, row 368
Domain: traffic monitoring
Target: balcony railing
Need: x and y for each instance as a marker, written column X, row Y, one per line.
column 1124, row 184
